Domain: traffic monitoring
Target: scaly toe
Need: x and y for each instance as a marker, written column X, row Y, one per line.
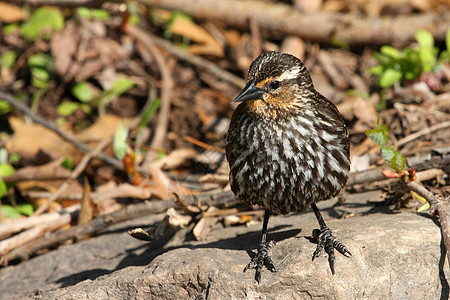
column 326, row 241
column 262, row 258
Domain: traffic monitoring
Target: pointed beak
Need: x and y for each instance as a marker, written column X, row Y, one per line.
column 250, row 92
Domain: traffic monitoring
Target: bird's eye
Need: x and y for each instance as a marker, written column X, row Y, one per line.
column 275, row 84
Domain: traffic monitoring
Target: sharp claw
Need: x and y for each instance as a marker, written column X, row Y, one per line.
column 260, row 259
column 326, row 241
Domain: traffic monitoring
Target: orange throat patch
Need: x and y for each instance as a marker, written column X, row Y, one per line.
column 270, row 109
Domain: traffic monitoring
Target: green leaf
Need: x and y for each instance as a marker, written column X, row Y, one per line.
column 426, row 50
column 121, row 85
column 393, row 159
column 9, row 211
column 376, row 70
column 391, row 52
column 41, row 60
column 93, row 14
column 134, row 20
column 10, row 28
column 41, row 68
column 3, row 188
column 65, row 109
column 8, row 59
column 6, row 170
column 14, row 157
column 83, row 92
column 149, row 112
column 425, row 39
column 100, row 14
column 447, row 40
column 384, row 60
column 67, row 163
column 379, row 135
column 120, row 145
column 41, row 75
column 43, row 23
column 389, row 77
column 5, row 107
column 86, row 108
column 25, row 209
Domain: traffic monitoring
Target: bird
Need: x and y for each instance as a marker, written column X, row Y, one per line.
column 288, row 148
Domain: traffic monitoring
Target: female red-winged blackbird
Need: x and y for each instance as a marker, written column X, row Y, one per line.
column 288, row 147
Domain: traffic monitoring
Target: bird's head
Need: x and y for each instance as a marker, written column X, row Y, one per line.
column 277, row 82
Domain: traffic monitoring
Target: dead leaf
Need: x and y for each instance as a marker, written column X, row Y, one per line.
column 10, row 13
column 175, row 159
column 29, row 139
column 87, row 206
column 204, row 226
column 64, row 45
column 365, row 111
column 206, row 43
column 105, row 126
column 105, row 196
column 165, row 187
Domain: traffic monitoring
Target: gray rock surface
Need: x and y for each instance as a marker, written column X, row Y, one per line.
column 395, row 256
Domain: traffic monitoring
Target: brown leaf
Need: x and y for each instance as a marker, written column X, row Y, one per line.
column 165, row 187
column 175, row 159
column 390, row 174
column 207, row 44
column 87, row 206
column 105, row 126
column 204, row 226
column 64, row 46
column 10, row 13
column 29, row 139
column 365, row 111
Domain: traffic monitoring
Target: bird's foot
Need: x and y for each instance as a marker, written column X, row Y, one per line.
column 262, row 258
column 327, row 241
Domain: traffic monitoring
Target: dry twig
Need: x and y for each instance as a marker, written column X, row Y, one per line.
column 199, row 62
column 436, row 208
column 101, row 222
column 166, row 90
column 276, row 18
column 422, row 132
column 75, row 173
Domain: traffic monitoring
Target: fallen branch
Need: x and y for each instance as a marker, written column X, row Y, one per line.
column 83, row 147
column 33, row 233
column 100, row 223
column 424, row 162
column 50, row 171
column 436, row 208
column 75, row 173
column 277, row 18
column 61, row 3
column 8, row 229
column 422, row 132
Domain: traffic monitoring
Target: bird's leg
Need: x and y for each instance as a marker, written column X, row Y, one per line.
column 326, row 240
column 263, row 256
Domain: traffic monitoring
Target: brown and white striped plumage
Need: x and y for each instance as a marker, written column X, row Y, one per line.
column 291, row 147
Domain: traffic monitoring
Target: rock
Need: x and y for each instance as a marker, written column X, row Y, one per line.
column 395, row 256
